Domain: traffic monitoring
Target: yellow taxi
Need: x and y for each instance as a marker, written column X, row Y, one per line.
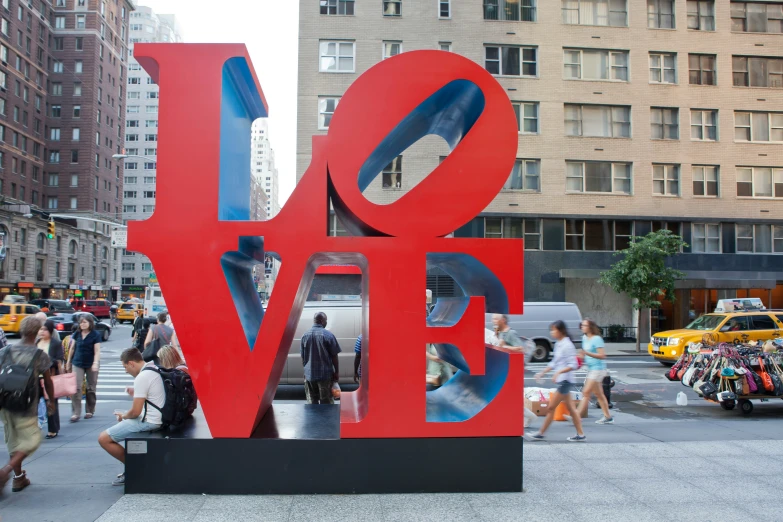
column 127, row 311
column 11, row 315
column 729, row 327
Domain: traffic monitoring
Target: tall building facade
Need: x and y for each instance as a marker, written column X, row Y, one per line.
column 62, row 70
column 633, row 116
column 141, row 140
column 262, row 159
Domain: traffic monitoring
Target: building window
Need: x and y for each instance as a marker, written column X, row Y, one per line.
column 337, row 7
column 752, row 17
column 701, row 15
column 606, row 121
column 52, row 202
column 663, row 68
column 74, row 202
column 666, row 180
column 326, row 107
column 701, row 69
column 706, row 238
column 759, row 239
column 510, row 10
column 598, row 176
column 757, row 71
column 595, row 12
column 598, row 235
column 131, row 180
column 758, row 126
column 444, row 46
column 392, row 174
column 704, row 125
column 664, row 123
column 705, row 180
column 760, row 182
column 57, row 89
column 392, row 7
column 75, row 134
column 511, row 61
column 514, row 228
column 527, row 116
column 595, row 64
column 391, row 49
column 444, row 8
column 660, row 14
column 337, row 56
column 525, row 175
column 132, row 123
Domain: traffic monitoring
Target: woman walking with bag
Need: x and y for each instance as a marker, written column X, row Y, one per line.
column 52, row 345
column 158, row 336
column 563, row 363
column 84, row 360
column 595, row 360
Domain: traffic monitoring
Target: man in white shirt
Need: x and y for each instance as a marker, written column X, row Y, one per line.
column 147, row 387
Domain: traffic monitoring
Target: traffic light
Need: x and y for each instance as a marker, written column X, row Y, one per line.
column 51, row 231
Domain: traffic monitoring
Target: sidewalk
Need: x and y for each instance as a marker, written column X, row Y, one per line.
column 625, row 349
column 647, row 481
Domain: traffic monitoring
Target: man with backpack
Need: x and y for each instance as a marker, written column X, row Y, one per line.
column 21, row 365
column 148, row 390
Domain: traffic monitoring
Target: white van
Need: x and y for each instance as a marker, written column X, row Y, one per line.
column 534, row 324
column 153, row 302
column 344, row 320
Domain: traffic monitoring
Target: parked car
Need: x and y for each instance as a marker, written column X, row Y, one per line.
column 97, row 307
column 53, row 305
column 667, row 347
column 534, row 324
column 64, row 324
column 11, row 315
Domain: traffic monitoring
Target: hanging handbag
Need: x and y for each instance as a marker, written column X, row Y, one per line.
column 688, row 375
column 708, row 390
column 752, row 388
column 769, row 386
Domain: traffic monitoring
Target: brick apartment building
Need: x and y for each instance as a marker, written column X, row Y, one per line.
column 62, row 73
column 634, row 115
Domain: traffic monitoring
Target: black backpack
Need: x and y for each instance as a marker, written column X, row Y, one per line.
column 18, row 384
column 180, row 397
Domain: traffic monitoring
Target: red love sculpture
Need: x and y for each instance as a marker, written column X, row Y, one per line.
column 209, row 97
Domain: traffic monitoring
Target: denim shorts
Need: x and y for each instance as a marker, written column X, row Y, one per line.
column 122, row 430
column 564, row 387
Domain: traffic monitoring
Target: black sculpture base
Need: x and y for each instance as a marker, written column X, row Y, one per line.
column 296, row 449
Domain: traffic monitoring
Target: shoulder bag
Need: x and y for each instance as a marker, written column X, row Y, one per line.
column 159, row 341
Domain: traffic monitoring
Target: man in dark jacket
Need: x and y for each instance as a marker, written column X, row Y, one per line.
column 319, row 351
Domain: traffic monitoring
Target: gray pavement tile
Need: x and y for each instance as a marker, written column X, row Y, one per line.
column 425, row 501
column 602, row 513
column 532, row 451
column 708, row 448
column 626, row 468
column 138, row 514
column 668, row 490
column 551, row 512
column 764, row 447
column 589, row 451
column 61, row 503
column 274, row 513
column 555, row 467
column 689, row 469
column 74, row 466
column 651, row 450
column 443, row 514
column 716, row 510
column 756, row 466
column 175, row 502
column 247, row 502
column 321, row 507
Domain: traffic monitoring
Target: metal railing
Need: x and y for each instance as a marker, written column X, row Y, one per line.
column 510, row 10
column 616, row 333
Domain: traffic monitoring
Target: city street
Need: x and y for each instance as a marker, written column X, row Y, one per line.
column 649, row 465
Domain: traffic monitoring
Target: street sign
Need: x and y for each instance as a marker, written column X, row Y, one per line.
column 119, row 238
column 153, row 278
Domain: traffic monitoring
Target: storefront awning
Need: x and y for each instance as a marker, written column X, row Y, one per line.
column 701, row 279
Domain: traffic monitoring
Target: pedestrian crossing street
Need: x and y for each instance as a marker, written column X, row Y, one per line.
column 112, row 381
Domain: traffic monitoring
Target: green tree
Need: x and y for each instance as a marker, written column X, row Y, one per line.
column 642, row 273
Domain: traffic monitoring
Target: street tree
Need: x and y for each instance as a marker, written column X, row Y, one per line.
column 642, row 274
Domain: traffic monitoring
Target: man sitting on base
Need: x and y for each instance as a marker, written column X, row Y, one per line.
column 147, row 387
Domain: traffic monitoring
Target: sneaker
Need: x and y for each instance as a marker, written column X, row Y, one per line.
column 536, row 437
column 20, row 482
column 119, row 481
column 605, row 420
column 576, row 438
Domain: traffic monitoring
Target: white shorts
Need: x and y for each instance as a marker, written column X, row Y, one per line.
column 597, row 375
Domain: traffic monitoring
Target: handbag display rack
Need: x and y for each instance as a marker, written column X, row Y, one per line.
column 730, row 374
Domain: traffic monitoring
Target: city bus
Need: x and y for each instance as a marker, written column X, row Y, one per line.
column 153, row 301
